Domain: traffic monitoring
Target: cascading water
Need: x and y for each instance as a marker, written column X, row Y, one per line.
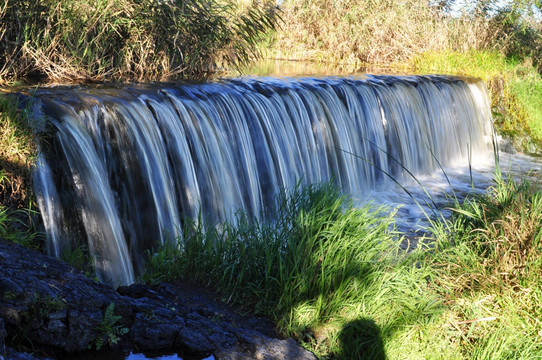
column 123, row 167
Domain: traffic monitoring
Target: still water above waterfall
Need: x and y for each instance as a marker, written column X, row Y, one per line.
column 125, row 166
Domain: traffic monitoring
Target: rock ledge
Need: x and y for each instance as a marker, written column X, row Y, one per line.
column 61, row 312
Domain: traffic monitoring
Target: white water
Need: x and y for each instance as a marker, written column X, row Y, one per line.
column 434, row 192
column 48, row 202
column 129, row 164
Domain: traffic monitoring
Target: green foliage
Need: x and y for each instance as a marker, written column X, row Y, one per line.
column 490, row 268
column 17, row 145
column 9, row 295
column 42, row 306
column 503, row 227
column 127, row 40
column 514, row 89
column 108, row 332
column 526, row 91
column 319, row 265
column 79, row 257
column 332, row 275
column 18, row 152
column 17, row 226
column 481, row 64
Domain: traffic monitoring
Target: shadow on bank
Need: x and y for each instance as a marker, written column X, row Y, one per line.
column 361, row 339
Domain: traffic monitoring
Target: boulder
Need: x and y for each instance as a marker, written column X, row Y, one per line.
column 60, row 312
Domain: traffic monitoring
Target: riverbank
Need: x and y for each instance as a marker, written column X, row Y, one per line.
column 331, row 288
column 469, row 291
column 52, row 310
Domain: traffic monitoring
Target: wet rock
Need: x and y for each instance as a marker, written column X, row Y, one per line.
column 11, row 354
column 53, row 330
column 82, row 329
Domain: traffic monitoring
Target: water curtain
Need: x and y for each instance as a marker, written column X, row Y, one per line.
column 124, row 167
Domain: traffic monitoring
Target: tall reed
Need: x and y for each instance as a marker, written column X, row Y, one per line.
column 374, row 32
column 103, row 40
column 391, row 31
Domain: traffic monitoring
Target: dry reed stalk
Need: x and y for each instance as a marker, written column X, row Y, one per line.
column 140, row 40
column 381, row 32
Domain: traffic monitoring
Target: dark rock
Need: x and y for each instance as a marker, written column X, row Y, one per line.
column 82, row 329
column 54, row 330
column 155, row 333
column 194, row 341
column 58, row 310
column 3, row 334
column 11, row 354
column 134, row 291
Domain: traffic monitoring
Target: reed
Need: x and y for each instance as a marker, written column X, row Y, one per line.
column 392, row 32
column 375, row 32
column 489, row 271
column 103, row 40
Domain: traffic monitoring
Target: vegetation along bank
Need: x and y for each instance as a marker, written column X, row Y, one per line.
column 500, row 43
column 474, row 293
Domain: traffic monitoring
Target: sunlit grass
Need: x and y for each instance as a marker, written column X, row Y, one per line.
column 322, row 264
column 332, row 276
column 527, row 89
column 481, row 64
column 16, row 138
column 514, row 88
column 17, row 155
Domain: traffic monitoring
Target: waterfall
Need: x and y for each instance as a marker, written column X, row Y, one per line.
column 123, row 167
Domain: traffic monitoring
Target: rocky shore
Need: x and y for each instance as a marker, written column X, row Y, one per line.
column 49, row 310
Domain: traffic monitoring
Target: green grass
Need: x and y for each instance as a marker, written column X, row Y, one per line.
column 321, row 265
column 481, row 64
column 18, row 226
column 491, row 269
column 527, row 91
column 332, row 276
column 17, row 155
column 514, row 88
column 17, row 147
